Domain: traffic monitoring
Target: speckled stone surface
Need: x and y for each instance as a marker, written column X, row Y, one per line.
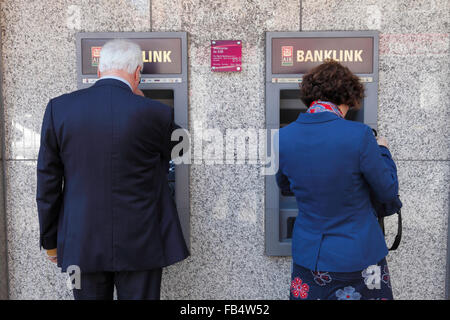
column 227, row 201
column 390, row 16
column 38, row 50
column 3, row 244
column 226, row 100
column 223, row 257
column 413, row 109
column 418, row 266
column 227, row 206
column 31, row 275
column 414, row 67
column 227, row 240
column 414, row 91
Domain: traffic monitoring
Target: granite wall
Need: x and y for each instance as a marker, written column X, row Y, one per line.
column 227, row 201
column 3, row 254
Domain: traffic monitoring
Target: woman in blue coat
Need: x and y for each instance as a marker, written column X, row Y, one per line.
column 331, row 165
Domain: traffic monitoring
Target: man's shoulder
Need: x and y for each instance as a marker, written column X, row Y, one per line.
column 146, row 105
column 64, row 98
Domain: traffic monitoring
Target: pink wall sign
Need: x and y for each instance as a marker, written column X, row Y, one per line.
column 226, row 55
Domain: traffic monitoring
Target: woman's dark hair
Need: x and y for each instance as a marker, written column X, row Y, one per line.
column 332, row 82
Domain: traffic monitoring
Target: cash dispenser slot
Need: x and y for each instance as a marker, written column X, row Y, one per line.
column 165, row 97
column 290, row 106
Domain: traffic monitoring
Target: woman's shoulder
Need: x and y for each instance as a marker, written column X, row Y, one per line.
column 355, row 127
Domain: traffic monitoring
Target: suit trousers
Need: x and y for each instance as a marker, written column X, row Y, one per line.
column 130, row 285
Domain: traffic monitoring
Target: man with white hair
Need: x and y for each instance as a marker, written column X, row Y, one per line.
column 105, row 209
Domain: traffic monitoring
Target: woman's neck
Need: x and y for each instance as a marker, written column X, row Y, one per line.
column 344, row 108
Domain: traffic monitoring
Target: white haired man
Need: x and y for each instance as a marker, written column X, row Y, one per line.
column 102, row 193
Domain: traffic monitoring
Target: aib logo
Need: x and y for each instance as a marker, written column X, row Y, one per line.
column 95, row 55
column 74, row 279
column 287, row 56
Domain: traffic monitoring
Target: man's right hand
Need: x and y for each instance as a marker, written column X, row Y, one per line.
column 382, row 141
column 139, row 92
column 52, row 256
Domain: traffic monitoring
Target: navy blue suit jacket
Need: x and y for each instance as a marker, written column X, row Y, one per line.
column 102, row 192
column 331, row 164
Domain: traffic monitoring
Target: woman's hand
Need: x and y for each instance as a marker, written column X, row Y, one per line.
column 382, row 141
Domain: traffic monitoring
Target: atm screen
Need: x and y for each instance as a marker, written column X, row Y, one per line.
column 166, row 97
column 356, row 115
column 290, row 106
column 163, row 96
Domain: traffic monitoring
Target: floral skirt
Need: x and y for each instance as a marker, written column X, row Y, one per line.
column 372, row 283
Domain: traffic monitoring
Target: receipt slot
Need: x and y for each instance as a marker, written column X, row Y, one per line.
column 164, row 78
column 289, row 55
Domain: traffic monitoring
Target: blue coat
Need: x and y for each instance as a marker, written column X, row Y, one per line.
column 102, row 192
column 330, row 164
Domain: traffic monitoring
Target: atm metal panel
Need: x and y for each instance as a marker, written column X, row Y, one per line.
column 280, row 211
column 175, row 81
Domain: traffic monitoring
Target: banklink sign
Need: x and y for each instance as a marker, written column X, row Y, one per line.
column 159, row 56
column 299, row 55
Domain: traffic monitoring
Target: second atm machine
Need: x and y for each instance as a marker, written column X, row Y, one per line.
column 289, row 55
column 163, row 78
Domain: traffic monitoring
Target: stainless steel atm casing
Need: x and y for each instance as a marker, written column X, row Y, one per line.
column 279, row 209
column 175, row 82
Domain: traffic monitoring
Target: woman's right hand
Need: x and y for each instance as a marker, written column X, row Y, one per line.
column 382, row 141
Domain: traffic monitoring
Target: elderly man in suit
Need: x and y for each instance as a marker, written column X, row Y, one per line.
column 102, row 193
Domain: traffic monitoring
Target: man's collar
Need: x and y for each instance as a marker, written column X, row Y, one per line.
column 112, row 82
column 117, row 78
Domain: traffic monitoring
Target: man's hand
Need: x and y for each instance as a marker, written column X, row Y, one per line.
column 382, row 141
column 139, row 92
column 52, row 256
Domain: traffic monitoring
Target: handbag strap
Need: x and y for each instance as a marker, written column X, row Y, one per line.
column 398, row 237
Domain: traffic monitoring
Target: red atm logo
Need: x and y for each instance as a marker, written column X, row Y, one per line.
column 287, row 56
column 95, row 55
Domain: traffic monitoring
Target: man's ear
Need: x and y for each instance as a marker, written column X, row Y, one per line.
column 137, row 73
column 98, row 73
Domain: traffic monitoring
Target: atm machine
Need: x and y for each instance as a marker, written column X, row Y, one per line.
column 289, row 55
column 164, row 78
